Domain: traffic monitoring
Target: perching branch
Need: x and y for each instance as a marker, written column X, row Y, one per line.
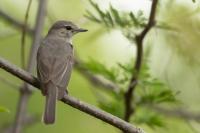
column 82, row 106
column 178, row 112
column 129, row 110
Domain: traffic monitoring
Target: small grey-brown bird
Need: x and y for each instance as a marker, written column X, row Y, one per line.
column 54, row 64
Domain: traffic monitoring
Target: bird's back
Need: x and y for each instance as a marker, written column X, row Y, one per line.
column 55, row 62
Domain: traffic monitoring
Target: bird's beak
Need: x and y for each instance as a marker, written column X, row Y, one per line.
column 81, row 30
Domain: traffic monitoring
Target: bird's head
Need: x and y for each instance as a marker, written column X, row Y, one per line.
column 65, row 29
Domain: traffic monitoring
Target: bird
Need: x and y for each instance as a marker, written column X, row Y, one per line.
column 54, row 64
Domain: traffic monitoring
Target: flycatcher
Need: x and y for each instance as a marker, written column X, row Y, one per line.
column 54, row 64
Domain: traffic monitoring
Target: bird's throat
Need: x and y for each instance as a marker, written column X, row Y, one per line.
column 69, row 40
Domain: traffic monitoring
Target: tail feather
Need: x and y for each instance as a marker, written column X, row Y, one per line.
column 50, row 106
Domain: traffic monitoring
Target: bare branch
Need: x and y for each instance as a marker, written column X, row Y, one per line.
column 24, row 29
column 129, row 110
column 21, row 110
column 104, row 116
column 25, row 89
column 37, row 34
column 29, row 120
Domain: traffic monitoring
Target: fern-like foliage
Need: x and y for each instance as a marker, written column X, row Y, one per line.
column 113, row 18
column 128, row 22
column 149, row 91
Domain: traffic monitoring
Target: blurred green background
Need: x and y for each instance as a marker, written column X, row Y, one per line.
column 174, row 58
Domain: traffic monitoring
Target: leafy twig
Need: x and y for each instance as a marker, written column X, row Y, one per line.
column 129, row 110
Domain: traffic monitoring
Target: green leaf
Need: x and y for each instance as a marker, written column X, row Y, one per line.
column 92, row 17
column 100, row 12
column 153, row 92
column 99, row 68
column 110, row 20
column 113, row 106
column 116, row 16
column 126, row 67
column 145, row 116
column 134, row 19
column 113, row 18
column 110, row 101
column 164, row 26
column 3, row 109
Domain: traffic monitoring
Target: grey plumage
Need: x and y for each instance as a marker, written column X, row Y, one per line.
column 54, row 64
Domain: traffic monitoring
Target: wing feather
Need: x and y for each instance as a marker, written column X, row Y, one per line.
column 54, row 63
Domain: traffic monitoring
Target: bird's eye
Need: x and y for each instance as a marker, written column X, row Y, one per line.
column 68, row 27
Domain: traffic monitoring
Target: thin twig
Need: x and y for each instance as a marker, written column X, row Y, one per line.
column 24, row 29
column 25, row 89
column 129, row 109
column 21, row 110
column 29, row 120
column 37, row 34
column 104, row 116
column 178, row 112
column 14, row 22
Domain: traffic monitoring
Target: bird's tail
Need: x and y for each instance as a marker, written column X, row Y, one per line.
column 50, row 106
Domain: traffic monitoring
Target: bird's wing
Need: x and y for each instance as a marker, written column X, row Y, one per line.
column 44, row 66
column 62, row 73
column 55, row 67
